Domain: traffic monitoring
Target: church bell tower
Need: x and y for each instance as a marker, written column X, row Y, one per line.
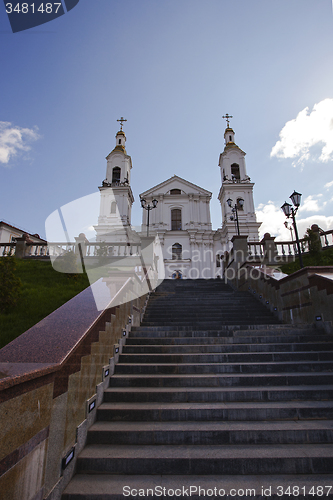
column 236, row 189
column 116, row 193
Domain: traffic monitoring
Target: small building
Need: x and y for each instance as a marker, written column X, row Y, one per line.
column 9, row 234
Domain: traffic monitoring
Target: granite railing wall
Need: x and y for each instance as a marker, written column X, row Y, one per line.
column 52, row 379
column 305, row 296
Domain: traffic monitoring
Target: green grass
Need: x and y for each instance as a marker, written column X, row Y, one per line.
column 323, row 258
column 43, row 290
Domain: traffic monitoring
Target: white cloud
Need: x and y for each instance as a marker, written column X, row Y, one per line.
column 328, row 184
column 305, row 131
column 14, row 140
column 273, row 221
column 310, row 204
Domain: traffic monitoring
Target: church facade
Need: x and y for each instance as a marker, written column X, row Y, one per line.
column 181, row 219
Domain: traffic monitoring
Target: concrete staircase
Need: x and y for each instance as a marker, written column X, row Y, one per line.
column 212, row 392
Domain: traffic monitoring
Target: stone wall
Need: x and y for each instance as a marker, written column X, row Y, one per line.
column 305, row 296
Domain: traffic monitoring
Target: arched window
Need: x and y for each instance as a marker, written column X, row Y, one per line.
column 235, row 171
column 176, row 219
column 113, row 207
column 116, row 174
column 177, row 251
column 119, row 141
column 175, row 191
column 240, row 204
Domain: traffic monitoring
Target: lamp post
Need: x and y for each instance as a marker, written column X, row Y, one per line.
column 148, row 208
column 290, row 211
column 235, row 211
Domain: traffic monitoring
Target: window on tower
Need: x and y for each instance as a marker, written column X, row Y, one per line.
column 119, row 141
column 115, row 175
column 230, row 138
column 176, row 219
column 235, row 171
column 240, row 204
column 177, row 251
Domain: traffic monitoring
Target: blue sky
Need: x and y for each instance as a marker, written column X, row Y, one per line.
column 172, row 69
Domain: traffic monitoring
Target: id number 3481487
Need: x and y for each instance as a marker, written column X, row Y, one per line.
column 26, row 8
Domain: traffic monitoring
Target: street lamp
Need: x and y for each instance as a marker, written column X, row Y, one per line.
column 148, row 208
column 240, row 202
column 290, row 211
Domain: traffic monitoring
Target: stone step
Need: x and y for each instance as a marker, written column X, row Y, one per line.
column 199, row 487
column 209, row 307
column 226, row 348
column 188, row 368
column 227, row 411
column 213, row 394
column 237, row 357
column 254, row 336
column 212, row 384
column 220, row 338
column 225, row 380
column 211, row 433
column 212, row 324
column 270, row 329
column 203, row 459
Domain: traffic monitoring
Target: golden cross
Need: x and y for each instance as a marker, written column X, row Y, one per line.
column 227, row 117
column 121, row 122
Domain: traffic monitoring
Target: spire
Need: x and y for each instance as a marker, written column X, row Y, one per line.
column 121, row 137
column 227, row 117
column 121, row 122
column 229, row 134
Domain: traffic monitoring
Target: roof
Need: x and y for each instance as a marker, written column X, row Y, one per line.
column 165, row 186
column 21, row 230
column 232, row 145
column 119, row 148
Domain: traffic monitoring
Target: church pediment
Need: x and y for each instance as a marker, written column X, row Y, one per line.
column 176, row 183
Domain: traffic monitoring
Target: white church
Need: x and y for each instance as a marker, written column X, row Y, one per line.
column 181, row 214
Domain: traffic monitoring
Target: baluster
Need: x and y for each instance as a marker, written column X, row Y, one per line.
column 289, row 248
column 283, row 251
